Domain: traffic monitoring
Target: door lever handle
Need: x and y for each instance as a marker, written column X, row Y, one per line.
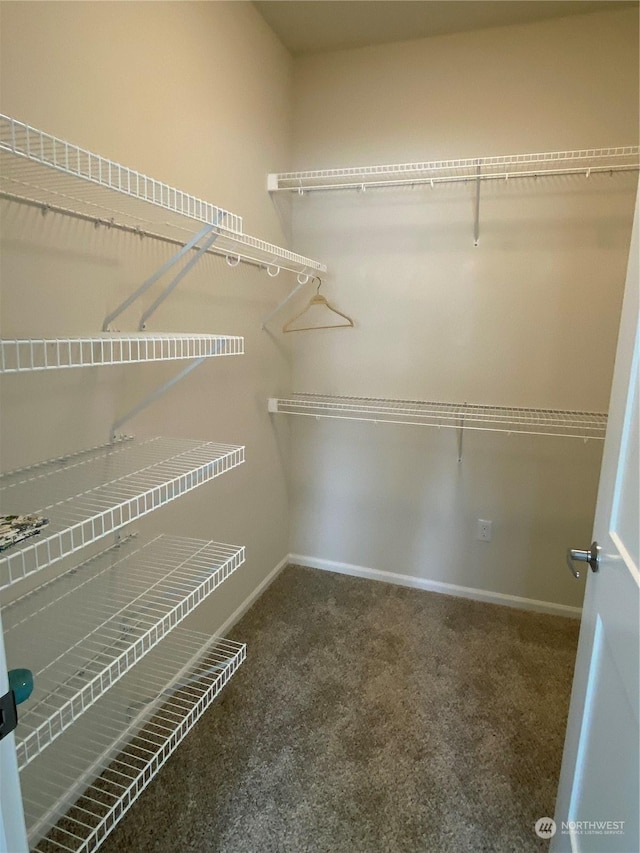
column 592, row 556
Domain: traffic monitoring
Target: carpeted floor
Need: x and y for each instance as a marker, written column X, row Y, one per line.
column 370, row 718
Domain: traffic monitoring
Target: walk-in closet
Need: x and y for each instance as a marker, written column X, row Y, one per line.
column 318, row 416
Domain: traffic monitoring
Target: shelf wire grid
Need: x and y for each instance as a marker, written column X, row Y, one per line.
column 265, row 254
column 100, row 619
column 28, row 355
column 550, row 422
column 90, row 494
column 585, row 161
column 54, row 175
column 43, row 168
column 77, row 791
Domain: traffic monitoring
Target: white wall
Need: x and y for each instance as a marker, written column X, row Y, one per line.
column 528, row 318
column 197, row 95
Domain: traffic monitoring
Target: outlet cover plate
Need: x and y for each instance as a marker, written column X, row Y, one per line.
column 483, row 532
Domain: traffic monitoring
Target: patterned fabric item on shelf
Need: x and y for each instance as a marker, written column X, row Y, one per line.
column 92, row 493
column 15, row 528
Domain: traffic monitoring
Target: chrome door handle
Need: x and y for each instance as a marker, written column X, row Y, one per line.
column 592, row 556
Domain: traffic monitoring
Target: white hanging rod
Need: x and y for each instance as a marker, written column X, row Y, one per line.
column 272, row 262
column 27, row 355
column 271, row 257
column 39, row 169
column 77, row 791
column 585, row 161
column 551, row 422
column 100, row 619
column 91, row 494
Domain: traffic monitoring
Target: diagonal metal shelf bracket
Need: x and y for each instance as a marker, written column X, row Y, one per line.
column 203, row 234
column 302, row 280
column 162, row 389
column 203, row 249
column 153, row 396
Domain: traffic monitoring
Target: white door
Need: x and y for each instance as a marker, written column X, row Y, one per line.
column 597, row 808
column 13, row 838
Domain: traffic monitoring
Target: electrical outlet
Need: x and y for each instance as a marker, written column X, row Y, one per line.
column 483, row 532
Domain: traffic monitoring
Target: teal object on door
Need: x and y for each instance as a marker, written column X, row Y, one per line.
column 21, row 682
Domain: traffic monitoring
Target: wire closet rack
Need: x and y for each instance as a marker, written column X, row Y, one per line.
column 28, row 355
column 42, row 170
column 92, row 493
column 100, row 619
column 586, row 162
column 79, row 789
column 551, row 422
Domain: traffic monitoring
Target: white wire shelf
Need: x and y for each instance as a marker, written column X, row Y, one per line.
column 586, row 161
column 93, row 493
column 550, row 422
column 265, row 255
column 54, row 175
column 49, row 170
column 28, row 355
column 100, row 619
column 77, row 791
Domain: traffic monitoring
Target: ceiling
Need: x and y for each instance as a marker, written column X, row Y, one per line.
column 313, row 26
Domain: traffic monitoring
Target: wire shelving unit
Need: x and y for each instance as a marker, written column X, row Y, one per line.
column 100, row 619
column 28, row 355
column 54, row 175
column 93, row 493
column 81, row 787
column 110, row 704
column 39, row 167
column 550, row 422
column 586, row 162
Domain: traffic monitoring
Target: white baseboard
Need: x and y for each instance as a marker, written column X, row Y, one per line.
column 239, row 612
column 438, row 586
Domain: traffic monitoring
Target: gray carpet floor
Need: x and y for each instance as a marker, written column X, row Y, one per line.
column 369, row 718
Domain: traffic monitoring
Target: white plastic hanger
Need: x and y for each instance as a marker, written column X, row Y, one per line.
column 318, row 299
